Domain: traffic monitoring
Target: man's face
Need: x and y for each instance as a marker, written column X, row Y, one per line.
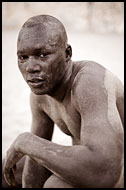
column 41, row 60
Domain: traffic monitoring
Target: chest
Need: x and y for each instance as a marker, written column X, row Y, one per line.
column 64, row 116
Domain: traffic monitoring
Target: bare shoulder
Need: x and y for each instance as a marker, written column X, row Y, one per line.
column 88, row 85
column 96, row 82
column 90, row 71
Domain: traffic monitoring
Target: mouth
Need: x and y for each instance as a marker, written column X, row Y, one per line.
column 35, row 82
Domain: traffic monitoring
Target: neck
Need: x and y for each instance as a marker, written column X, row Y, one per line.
column 60, row 89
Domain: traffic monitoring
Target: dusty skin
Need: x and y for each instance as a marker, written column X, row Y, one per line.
column 85, row 101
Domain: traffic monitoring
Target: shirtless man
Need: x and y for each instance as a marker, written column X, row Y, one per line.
column 85, row 101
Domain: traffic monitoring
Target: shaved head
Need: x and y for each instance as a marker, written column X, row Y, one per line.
column 44, row 25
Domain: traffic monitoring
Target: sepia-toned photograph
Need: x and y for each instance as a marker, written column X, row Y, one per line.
column 62, row 95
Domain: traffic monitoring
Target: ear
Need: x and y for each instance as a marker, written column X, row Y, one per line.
column 68, row 52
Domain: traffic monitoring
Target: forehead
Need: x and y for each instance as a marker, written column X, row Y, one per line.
column 37, row 37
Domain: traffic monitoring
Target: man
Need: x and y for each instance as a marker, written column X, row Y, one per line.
column 85, row 101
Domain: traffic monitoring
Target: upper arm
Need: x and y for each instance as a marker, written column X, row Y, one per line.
column 120, row 99
column 98, row 124
column 101, row 130
column 42, row 125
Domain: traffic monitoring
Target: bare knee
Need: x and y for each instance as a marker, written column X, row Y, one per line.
column 55, row 182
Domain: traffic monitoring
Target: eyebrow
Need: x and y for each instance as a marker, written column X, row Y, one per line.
column 35, row 50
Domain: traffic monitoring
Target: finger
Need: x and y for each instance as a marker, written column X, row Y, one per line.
column 10, row 178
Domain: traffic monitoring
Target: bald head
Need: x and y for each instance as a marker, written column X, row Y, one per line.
column 44, row 25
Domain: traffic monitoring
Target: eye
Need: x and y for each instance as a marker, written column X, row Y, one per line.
column 42, row 55
column 23, row 57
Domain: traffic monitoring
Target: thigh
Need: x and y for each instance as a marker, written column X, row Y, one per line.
column 56, row 182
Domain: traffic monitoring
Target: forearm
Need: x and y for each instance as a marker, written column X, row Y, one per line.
column 73, row 163
column 29, row 177
column 31, row 168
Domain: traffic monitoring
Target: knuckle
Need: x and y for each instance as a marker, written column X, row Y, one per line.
column 23, row 135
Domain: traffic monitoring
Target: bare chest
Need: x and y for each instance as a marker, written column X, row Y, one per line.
column 65, row 117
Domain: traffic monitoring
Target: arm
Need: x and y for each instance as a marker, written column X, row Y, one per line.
column 97, row 161
column 120, row 100
column 101, row 129
column 42, row 126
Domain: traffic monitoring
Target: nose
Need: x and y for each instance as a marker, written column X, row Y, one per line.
column 32, row 66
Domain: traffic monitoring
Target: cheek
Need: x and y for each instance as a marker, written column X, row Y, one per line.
column 22, row 68
column 57, row 62
column 57, row 70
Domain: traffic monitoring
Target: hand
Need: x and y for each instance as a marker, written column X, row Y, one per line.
column 12, row 157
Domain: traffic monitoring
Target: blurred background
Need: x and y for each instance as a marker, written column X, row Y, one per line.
column 95, row 31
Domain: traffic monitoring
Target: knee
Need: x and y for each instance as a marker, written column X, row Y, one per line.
column 48, row 183
column 55, row 182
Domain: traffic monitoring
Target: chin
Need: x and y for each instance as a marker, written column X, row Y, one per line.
column 40, row 92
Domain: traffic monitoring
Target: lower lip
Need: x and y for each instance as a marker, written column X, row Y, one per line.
column 36, row 84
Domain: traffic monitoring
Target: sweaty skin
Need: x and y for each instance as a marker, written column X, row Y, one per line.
column 83, row 98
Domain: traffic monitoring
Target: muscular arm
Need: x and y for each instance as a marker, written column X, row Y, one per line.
column 101, row 129
column 42, row 126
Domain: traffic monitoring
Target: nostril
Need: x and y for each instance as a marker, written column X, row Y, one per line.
column 33, row 68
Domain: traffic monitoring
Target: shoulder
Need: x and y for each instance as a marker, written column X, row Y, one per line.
column 89, row 77
column 93, row 84
column 93, row 75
